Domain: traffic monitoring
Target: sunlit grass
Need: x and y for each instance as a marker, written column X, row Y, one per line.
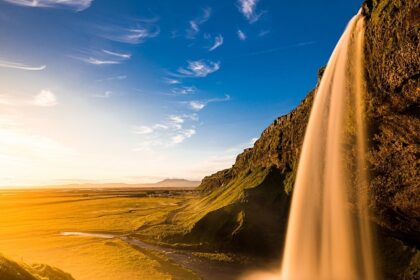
column 31, row 223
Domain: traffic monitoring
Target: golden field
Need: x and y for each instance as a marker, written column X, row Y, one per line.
column 33, row 223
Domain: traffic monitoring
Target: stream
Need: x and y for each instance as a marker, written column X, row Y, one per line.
column 206, row 269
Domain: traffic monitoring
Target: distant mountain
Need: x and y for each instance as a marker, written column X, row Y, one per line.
column 176, row 183
column 166, row 183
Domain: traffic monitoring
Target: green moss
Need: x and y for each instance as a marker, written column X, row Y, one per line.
column 290, row 178
column 219, row 198
column 219, row 257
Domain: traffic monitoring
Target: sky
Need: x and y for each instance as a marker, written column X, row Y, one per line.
column 138, row 91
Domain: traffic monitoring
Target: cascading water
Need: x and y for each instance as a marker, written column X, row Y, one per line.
column 328, row 235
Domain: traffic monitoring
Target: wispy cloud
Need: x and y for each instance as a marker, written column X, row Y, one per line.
column 194, row 27
column 263, row 33
column 171, row 81
column 45, row 98
column 96, row 61
column 272, row 50
column 182, row 135
column 174, row 130
column 77, row 5
column 113, row 78
column 198, row 105
column 176, row 123
column 218, row 41
column 199, row 68
column 118, row 54
column 184, row 90
column 138, row 31
column 249, row 9
column 241, row 35
column 102, row 57
column 137, row 35
column 21, row 66
column 176, row 120
column 106, row 94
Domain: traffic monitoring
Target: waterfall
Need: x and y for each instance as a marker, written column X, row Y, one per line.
column 328, row 234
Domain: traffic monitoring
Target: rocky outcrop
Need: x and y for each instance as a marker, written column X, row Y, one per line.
column 10, row 270
column 278, row 146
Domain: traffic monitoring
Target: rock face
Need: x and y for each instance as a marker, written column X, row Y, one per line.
column 278, row 147
column 392, row 53
column 393, row 74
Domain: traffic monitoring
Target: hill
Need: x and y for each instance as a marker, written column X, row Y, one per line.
column 245, row 208
column 176, row 183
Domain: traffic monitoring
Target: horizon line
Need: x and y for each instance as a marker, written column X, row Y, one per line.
column 90, row 183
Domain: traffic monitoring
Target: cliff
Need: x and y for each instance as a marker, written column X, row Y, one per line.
column 393, row 71
column 245, row 208
column 392, row 53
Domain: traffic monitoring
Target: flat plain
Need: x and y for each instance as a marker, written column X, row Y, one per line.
column 79, row 231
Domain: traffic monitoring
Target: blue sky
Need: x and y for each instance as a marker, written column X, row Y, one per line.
column 136, row 91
